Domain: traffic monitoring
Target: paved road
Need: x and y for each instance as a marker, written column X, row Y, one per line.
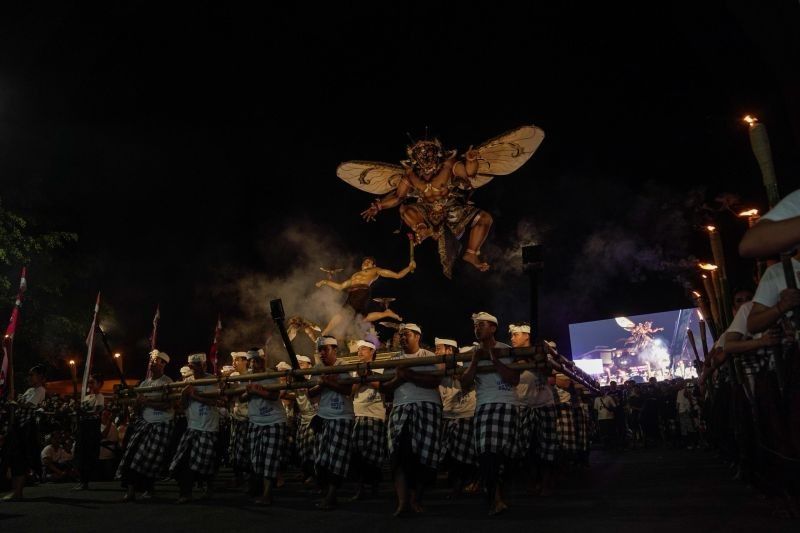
column 648, row 491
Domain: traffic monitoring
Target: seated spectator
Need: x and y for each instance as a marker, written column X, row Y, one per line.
column 56, row 461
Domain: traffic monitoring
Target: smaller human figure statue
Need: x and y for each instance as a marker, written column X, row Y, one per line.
column 358, row 289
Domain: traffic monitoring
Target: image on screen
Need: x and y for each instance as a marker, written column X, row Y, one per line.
column 638, row 347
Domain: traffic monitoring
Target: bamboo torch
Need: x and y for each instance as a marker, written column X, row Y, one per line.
column 752, row 217
column 118, row 361
column 759, row 142
column 711, row 286
column 701, row 304
column 74, row 373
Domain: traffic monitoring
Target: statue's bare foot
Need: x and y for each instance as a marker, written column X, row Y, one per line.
column 472, row 259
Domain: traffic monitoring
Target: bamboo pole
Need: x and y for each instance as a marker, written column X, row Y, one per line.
column 370, row 377
column 541, row 361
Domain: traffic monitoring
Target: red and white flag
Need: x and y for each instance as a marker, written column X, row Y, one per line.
column 90, row 345
column 8, row 339
column 212, row 353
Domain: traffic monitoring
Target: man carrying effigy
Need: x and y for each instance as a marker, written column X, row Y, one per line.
column 495, row 412
column 369, row 432
column 143, row 460
column 196, row 459
column 267, row 431
column 333, row 426
column 414, row 424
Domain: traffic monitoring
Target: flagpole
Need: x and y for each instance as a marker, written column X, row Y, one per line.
column 212, row 353
column 90, row 344
column 7, row 368
column 153, row 336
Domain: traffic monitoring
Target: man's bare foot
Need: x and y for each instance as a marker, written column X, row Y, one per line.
column 497, row 508
column 326, row 505
column 359, row 495
column 401, row 510
column 472, row 488
column 262, row 500
column 417, row 508
column 472, row 259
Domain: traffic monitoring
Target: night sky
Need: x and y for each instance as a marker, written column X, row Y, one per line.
column 182, row 142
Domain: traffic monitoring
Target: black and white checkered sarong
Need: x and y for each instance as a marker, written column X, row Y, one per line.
column 332, row 449
column 423, row 421
column 581, row 414
column 201, row 447
column 147, row 448
column 266, row 448
column 240, row 444
column 369, row 439
column 566, row 428
column 496, row 429
column 524, row 431
column 545, row 441
column 458, row 440
column 305, row 443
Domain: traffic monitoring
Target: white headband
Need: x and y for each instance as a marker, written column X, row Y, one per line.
column 197, row 358
column 477, row 317
column 186, row 371
column 411, row 327
column 327, row 341
column 304, row 359
column 234, row 355
column 513, row 328
column 446, row 342
column 368, row 344
column 252, row 354
column 283, row 366
column 155, row 354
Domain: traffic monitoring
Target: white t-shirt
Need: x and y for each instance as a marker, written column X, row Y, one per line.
column 368, row 401
column 110, row 438
column 455, row 402
column 94, row 402
column 490, row 387
column 787, row 208
column 533, row 390
column 411, row 393
column 772, row 283
column 200, row 416
column 335, row 406
column 263, row 412
column 58, row 456
column 605, row 405
column 152, row 415
column 305, row 406
column 34, row 396
column 682, row 402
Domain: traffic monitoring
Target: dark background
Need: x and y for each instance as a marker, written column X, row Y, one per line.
column 180, row 141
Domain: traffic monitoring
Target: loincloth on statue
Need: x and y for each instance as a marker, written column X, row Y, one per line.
column 449, row 212
column 358, row 298
column 455, row 216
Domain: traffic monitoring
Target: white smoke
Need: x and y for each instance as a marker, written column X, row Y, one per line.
column 310, row 248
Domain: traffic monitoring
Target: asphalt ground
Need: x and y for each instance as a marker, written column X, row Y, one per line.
column 641, row 490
